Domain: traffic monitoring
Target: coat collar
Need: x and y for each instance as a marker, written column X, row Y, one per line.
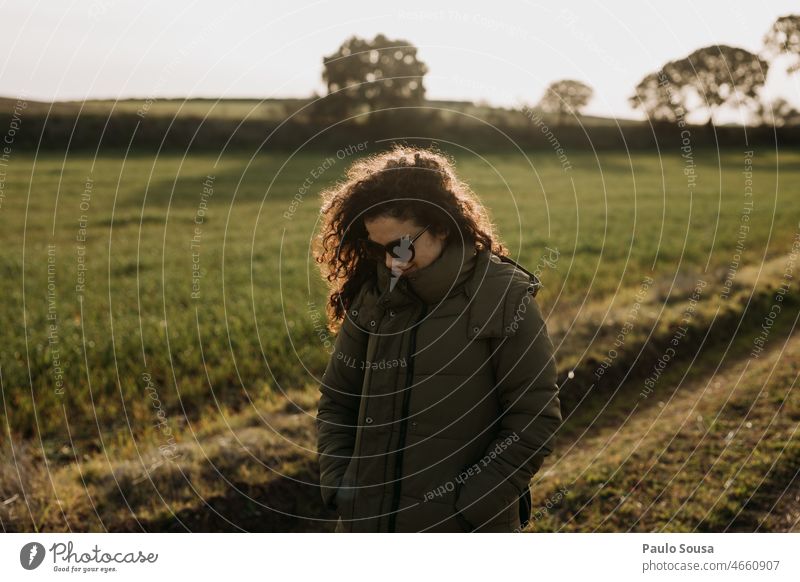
column 495, row 287
column 434, row 282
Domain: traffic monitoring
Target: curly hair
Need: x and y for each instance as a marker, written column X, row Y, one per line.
column 404, row 182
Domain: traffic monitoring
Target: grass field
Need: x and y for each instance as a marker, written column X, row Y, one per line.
column 100, row 282
column 255, row 109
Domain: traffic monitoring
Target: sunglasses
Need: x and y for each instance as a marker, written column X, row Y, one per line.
column 401, row 248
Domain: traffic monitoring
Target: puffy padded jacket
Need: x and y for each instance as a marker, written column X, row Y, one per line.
column 440, row 400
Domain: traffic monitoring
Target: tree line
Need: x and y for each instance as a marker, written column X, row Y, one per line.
column 364, row 76
column 376, row 88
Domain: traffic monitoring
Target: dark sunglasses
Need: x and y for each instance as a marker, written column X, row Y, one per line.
column 401, row 248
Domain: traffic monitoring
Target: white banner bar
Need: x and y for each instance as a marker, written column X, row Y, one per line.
column 353, row 557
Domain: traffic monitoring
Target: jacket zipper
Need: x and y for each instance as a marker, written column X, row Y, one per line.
column 398, row 467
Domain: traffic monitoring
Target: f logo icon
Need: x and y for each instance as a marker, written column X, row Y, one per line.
column 31, row 555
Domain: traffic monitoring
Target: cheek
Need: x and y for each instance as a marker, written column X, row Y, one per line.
column 430, row 254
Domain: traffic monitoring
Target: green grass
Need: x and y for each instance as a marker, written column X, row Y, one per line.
column 720, row 452
column 216, row 363
column 269, row 109
column 251, row 332
column 232, row 109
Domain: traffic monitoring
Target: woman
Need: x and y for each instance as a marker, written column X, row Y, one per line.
column 439, row 402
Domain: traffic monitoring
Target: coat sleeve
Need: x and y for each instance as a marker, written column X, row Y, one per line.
column 337, row 412
column 531, row 414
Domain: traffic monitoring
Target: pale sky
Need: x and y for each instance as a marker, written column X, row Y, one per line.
column 502, row 52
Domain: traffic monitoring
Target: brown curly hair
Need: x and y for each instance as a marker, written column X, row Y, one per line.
column 404, row 182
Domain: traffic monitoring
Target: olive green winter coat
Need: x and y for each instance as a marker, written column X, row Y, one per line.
column 440, row 401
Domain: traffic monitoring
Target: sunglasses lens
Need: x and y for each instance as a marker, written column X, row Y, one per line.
column 373, row 250
column 401, row 249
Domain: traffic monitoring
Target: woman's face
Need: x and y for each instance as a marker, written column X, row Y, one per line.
column 427, row 247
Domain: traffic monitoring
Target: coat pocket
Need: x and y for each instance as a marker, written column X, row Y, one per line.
column 488, row 513
column 346, row 495
column 462, row 522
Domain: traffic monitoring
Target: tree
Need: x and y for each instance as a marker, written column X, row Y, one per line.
column 778, row 113
column 375, row 75
column 784, row 38
column 659, row 98
column 565, row 97
column 718, row 75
